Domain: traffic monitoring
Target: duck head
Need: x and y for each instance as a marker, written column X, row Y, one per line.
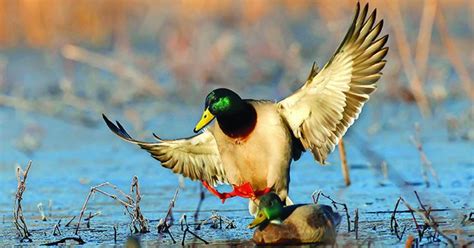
column 219, row 103
column 269, row 209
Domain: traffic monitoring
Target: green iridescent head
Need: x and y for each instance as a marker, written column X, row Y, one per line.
column 219, row 102
column 222, row 101
column 270, row 208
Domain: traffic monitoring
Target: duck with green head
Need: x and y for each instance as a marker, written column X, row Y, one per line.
column 236, row 117
column 253, row 142
column 295, row 224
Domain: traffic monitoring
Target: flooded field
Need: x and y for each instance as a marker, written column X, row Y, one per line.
column 150, row 66
column 73, row 158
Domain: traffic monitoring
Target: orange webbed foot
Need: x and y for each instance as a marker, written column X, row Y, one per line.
column 245, row 190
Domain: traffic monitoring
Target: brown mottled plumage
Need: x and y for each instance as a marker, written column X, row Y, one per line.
column 296, row 224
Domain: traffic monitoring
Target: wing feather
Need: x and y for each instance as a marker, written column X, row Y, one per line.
column 322, row 110
column 196, row 157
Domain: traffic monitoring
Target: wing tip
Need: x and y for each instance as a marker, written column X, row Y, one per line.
column 157, row 137
column 381, row 23
column 116, row 129
column 109, row 123
column 313, row 72
column 366, row 9
column 382, row 39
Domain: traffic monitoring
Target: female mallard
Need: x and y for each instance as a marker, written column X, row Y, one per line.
column 295, row 224
column 254, row 142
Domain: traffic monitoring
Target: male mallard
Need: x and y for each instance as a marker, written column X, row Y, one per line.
column 295, row 224
column 254, row 141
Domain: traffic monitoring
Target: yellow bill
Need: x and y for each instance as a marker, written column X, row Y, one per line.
column 206, row 118
column 261, row 217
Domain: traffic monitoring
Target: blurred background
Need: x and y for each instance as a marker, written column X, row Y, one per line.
column 89, row 56
column 150, row 64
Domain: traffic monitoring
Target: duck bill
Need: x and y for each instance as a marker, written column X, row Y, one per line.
column 261, row 217
column 206, row 118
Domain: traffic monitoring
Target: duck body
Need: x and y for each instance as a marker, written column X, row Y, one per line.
column 295, row 224
column 312, row 223
column 262, row 156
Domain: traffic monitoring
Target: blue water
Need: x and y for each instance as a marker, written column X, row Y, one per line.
column 72, row 157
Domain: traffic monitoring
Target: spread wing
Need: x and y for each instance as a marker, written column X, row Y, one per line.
column 196, row 157
column 322, row 110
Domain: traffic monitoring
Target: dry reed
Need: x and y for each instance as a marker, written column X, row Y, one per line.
column 423, row 44
column 453, row 54
column 142, row 81
column 315, row 196
column 344, row 166
column 426, row 164
column 164, row 224
column 18, row 218
column 425, row 214
column 186, row 229
column 416, row 85
column 138, row 223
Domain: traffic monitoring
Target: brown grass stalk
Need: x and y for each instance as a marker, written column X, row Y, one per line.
column 453, row 54
column 424, row 38
column 131, row 204
column 426, row 163
column 345, row 167
column 142, row 81
column 165, row 223
column 137, row 218
column 416, row 85
column 216, row 221
column 18, row 218
column 169, row 213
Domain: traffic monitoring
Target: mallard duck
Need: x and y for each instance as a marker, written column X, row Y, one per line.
column 253, row 142
column 295, row 224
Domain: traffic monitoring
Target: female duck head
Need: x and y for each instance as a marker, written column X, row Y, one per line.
column 219, row 102
column 270, row 208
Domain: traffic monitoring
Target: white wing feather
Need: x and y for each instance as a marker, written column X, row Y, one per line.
column 322, row 110
column 196, row 157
